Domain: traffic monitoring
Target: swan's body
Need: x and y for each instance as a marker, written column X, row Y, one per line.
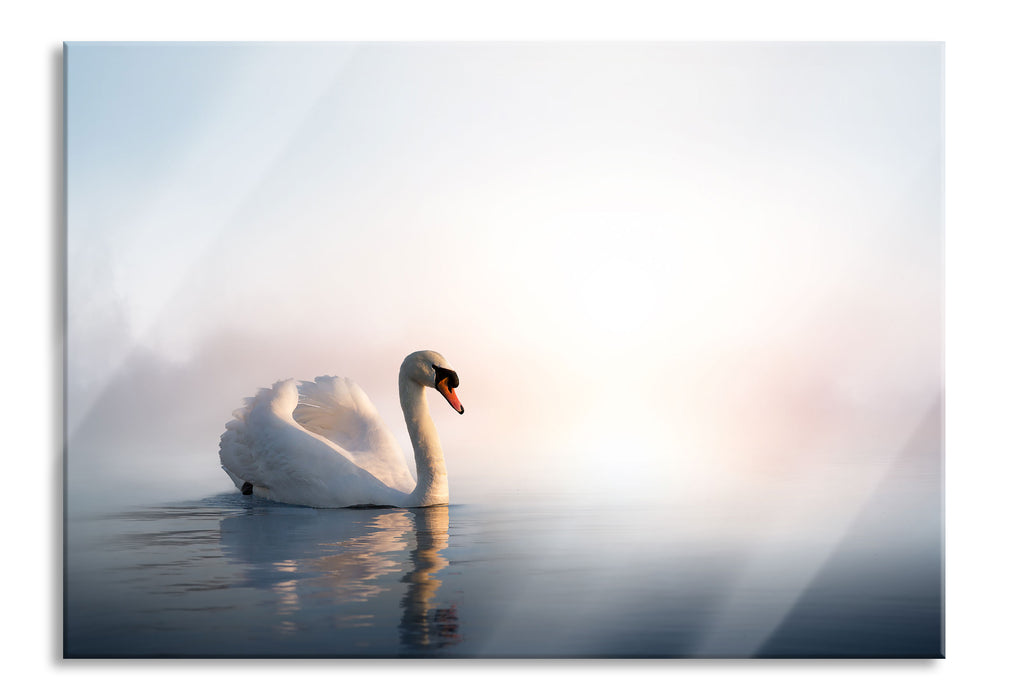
column 323, row 444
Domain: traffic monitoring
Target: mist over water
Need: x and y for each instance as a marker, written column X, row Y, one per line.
column 518, row 573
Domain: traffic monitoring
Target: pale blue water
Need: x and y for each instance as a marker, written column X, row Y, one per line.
column 234, row 576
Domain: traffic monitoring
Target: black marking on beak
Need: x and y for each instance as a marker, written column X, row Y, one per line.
column 440, row 374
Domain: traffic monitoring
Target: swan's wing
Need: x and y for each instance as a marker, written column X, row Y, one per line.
column 337, row 409
column 284, row 461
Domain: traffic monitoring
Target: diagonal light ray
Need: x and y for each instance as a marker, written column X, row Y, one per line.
column 217, row 209
column 781, row 568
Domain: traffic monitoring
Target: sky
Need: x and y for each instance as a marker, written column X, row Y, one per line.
column 655, row 267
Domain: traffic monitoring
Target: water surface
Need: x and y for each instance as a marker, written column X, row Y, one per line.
column 234, row 576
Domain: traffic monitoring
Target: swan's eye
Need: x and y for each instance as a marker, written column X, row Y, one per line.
column 441, row 374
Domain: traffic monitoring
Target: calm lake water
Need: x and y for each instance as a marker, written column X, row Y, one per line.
column 234, row 576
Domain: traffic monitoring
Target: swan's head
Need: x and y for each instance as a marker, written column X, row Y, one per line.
column 428, row 368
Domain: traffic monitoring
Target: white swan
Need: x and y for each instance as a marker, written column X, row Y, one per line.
column 323, row 444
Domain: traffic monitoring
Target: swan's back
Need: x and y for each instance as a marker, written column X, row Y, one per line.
column 307, row 438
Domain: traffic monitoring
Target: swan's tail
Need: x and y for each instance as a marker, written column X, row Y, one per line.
column 238, row 442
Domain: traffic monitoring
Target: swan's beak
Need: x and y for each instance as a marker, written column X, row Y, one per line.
column 449, row 393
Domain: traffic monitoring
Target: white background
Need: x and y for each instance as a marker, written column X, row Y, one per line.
column 976, row 346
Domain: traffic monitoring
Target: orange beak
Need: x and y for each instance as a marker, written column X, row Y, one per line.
column 449, row 393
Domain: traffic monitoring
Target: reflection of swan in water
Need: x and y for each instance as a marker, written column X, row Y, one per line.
column 355, row 572
column 422, row 628
column 323, row 444
column 339, row 566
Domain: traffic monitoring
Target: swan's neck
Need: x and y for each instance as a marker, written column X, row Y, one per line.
column 432, row 480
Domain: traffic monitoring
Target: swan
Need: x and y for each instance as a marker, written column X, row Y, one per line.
column 323, row 444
